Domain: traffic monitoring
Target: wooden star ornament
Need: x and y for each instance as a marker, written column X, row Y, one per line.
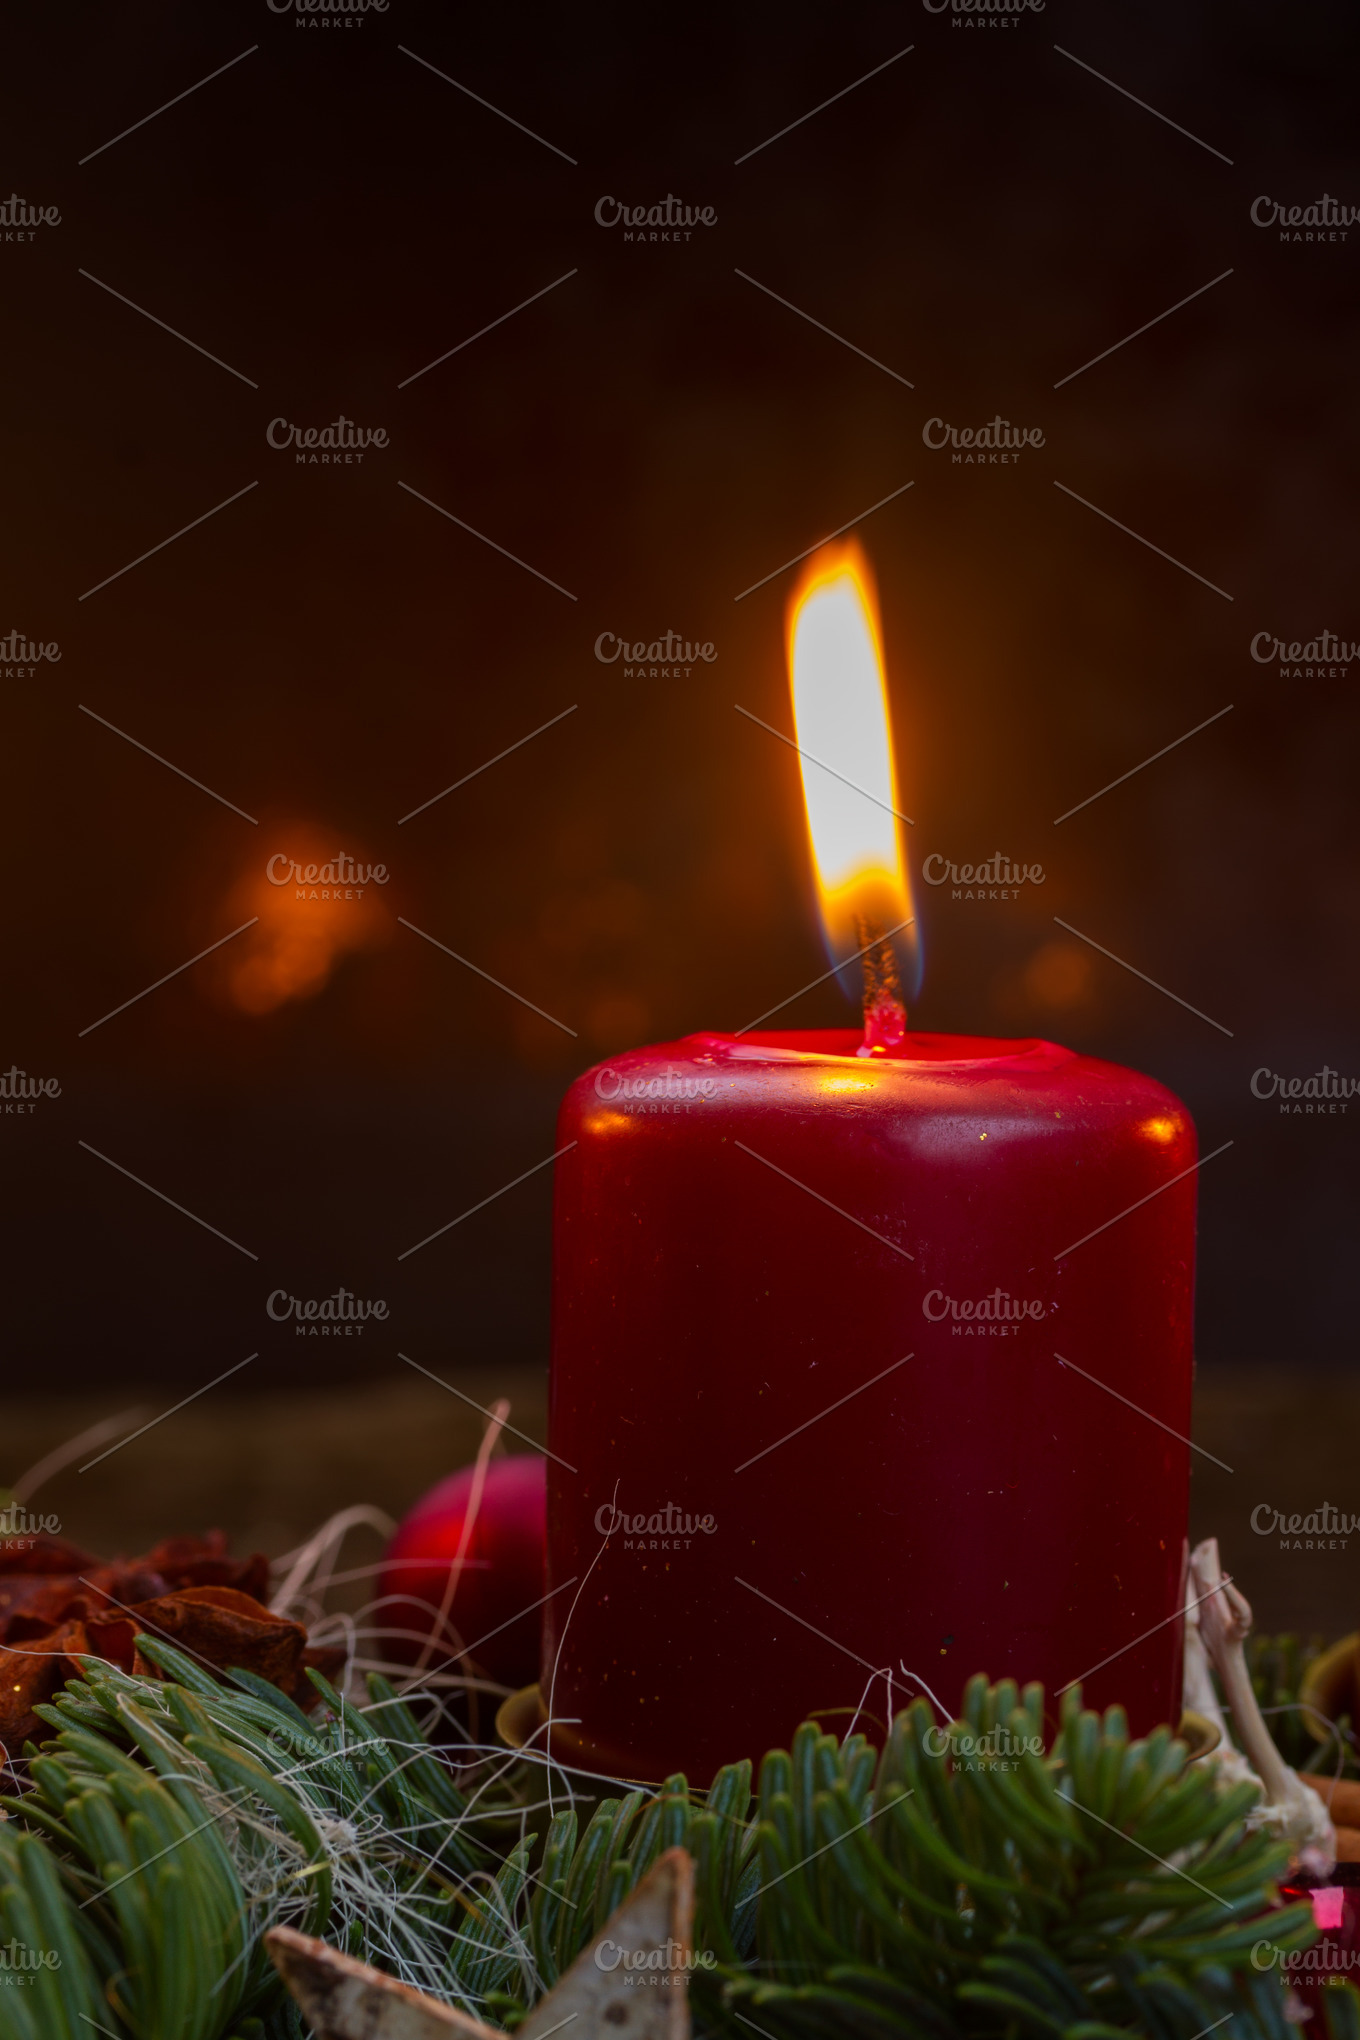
column 631, row 1983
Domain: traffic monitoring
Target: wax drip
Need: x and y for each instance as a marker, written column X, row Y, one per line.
column 885, row 1014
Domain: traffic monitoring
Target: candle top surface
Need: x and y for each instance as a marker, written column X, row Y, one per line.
column 1024, row 1081
column 836, row 1044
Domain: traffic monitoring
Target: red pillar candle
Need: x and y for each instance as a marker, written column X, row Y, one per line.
column 871, row 1353
column 980, row 1508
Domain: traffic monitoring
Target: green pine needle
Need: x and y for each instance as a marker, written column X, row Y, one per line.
column 1091, row 1887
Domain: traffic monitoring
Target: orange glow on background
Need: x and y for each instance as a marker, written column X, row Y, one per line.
column 302, row 928
column 840, row 711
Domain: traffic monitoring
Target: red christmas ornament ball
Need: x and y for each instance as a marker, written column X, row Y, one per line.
column 503, row 1573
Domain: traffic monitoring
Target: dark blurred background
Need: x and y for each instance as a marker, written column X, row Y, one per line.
column 653, row 435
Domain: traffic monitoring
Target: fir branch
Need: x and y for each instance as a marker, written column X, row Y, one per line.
column 971, row 1881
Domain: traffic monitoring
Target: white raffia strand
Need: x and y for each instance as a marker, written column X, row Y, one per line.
column 312, row 1565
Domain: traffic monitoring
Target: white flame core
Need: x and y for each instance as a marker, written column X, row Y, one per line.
column 841, row 719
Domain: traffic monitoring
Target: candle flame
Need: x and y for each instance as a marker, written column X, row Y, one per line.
column 840, row 712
